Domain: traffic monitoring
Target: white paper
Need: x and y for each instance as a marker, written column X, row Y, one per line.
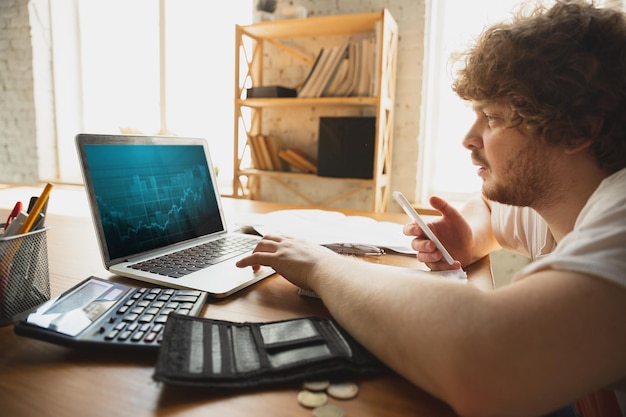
column 323, row 226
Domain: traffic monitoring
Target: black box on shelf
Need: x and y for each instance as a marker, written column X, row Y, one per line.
column 273, row 91
column 346, row 147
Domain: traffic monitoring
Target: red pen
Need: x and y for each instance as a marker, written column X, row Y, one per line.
column 16, row 211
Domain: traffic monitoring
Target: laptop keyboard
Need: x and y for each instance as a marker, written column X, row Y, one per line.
column 186, row 261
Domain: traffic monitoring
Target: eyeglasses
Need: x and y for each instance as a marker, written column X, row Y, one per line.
column 355, row 249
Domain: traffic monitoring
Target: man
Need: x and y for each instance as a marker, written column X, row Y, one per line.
column 549, row 95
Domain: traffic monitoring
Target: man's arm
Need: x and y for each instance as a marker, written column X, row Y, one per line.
column 484, row 352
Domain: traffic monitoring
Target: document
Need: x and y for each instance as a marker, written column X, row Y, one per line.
column 325, row 227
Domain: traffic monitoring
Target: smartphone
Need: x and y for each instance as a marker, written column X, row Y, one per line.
column 408, row 209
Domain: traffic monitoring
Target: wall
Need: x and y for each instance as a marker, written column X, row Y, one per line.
column 18, row 133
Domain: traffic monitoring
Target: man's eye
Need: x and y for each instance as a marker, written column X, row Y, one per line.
column 490, row 119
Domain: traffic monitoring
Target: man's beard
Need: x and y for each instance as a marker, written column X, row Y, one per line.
column 526, row 183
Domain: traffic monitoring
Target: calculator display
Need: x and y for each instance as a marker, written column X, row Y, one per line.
column 71, row 313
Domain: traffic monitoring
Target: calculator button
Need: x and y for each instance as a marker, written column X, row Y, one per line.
column 130, row 317
column 125, row 335
column 146, row 318
column 151, row 337
column 194, row 293
column 167, row 311
column 111, row 335
column 161, row 319
column 137, row 336
column 185, row 298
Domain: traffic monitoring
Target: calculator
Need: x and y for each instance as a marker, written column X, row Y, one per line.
column 107, row 314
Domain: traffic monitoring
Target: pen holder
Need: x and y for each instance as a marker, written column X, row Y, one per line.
column 24, row 276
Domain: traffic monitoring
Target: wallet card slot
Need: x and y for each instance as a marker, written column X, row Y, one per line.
column 338, row 342
column 196, row 348
column 216, row 349
column 287, row 334
column 299, row 355
column 245, row 350
column 226, row 349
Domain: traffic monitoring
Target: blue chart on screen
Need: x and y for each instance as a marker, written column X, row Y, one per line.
column 152, row 196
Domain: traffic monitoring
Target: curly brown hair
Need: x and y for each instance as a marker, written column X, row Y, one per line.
column 563, row 71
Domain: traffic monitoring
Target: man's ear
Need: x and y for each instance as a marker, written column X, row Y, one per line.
column 582, row 143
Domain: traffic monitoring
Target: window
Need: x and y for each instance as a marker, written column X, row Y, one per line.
column 114, row 72
column 445, row 167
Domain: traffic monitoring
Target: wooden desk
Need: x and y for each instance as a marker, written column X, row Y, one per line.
column 42, row 379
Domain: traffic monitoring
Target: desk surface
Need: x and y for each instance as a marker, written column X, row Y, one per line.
column 42, row 379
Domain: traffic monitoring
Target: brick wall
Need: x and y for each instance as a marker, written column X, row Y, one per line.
column 18, row 133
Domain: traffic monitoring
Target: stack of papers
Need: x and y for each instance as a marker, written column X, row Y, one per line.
column 324, row 227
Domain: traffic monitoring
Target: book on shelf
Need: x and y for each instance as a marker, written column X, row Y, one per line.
column 314, row 75
column 338, row 74
column 299, row 160
column 263, row 153
column 254, row 153
column 335, row 58
column 273, row 153
column 349, row 69
column 339, row 78
column 324, row 70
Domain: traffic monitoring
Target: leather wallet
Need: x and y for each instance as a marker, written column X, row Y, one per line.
column 222, row 354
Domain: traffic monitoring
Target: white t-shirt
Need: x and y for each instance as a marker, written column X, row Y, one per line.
column 596, row 245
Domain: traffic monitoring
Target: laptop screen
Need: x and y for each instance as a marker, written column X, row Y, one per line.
column 150, row 195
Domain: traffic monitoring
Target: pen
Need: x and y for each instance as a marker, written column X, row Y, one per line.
column 14, row 213
column 34, row 213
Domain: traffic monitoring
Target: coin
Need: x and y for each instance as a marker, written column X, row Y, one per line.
column 328, row 410
column 311, row 399
column 316, row 385
column 343, row 390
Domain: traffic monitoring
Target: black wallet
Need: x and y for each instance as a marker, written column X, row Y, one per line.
column 222, row 354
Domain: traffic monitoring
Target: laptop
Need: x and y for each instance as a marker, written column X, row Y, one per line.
column 158, row 215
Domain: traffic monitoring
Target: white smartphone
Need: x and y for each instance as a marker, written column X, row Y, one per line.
column 408, row 209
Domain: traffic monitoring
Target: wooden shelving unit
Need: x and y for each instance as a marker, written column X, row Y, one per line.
column 251, row 43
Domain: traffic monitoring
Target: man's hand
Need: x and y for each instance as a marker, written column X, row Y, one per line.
column 294, row 259
column 451, row 229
